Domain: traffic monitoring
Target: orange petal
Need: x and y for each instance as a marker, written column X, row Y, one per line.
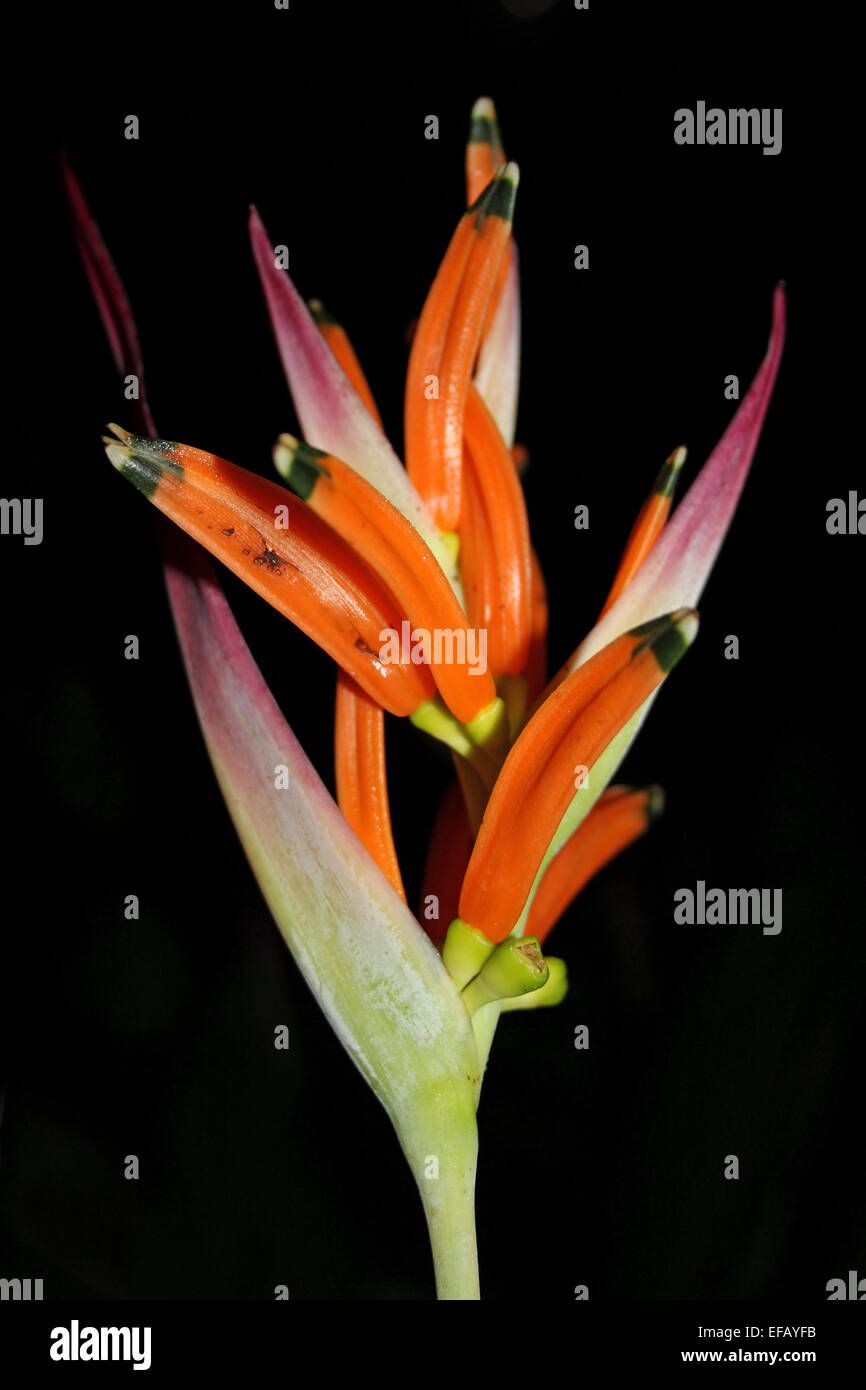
column 648, row 526
column 491, row 235
column 362, row 782
column 619, row 817
column 537, row 783
column 282, row 550
column 405, row 565
column 499, row 489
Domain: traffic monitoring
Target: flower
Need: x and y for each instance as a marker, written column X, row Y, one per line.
column 356, row 548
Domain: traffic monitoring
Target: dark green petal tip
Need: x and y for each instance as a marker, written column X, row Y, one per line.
column 146, row 473
column 484, row 127
column 142, row 461
column 481, row 131
column 503, row 194
column 666, row 482
column 672, row 638
column 152, row 448
column 655, row 803
column 320, row 313
column 299, row 464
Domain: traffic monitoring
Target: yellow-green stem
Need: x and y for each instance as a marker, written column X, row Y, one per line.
column 443, row 1156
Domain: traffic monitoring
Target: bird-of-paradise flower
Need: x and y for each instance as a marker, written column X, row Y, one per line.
column 359, row 548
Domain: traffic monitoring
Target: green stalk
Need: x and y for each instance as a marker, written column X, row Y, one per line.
column 442, row 1150
column 484, row 1024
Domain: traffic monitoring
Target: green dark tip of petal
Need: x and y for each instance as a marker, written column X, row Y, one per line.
column 301, row 478
column 309, row 453
column 145, row 470
column 320, row 313
column 674, row 639
column 503, row 194
column 667, row 648
column 148, row 448
column 482, row 131
column 666, row 482
column 484, row 127
column 300, row 465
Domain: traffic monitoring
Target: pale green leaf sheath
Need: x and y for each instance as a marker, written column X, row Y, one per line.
column 378, row 979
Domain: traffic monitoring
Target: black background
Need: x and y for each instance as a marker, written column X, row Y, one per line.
column 155, row 1037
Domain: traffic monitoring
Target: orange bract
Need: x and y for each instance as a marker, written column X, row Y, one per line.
column 422, row 418
column 648, row 527
column 619, row 818
column 446, row 344
column 537, row 783
column 484, row 157
column 287, row 554
column 506, row 552
column 362, row 788
column 406, row 567
column 460, row 349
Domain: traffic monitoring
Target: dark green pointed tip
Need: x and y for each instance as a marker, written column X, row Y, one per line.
column 162, row 448
column 320, row 313
column 497, row 199
column 484, row 128
column 143, row 473
column 481, row 131
column 672, row 637
column 655, row 803
column 299, row 464
column 666, row 482
column 142, row 462
column 503, row 194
